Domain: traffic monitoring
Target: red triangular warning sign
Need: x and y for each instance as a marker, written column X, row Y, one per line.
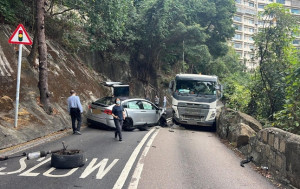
column 20, row 36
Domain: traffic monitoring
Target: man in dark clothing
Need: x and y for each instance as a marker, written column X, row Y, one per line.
column 119, row 115
column 75, row 111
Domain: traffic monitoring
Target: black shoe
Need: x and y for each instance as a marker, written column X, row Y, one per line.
column 115, row 135
column 74, row 132
column 78, row 133
column 120, row 139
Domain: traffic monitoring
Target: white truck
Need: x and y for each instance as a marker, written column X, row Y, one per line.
column 195, row 99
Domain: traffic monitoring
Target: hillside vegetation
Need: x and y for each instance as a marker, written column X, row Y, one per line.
column 146, row 42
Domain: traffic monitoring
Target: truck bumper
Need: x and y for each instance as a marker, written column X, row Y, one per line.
column 195, row 122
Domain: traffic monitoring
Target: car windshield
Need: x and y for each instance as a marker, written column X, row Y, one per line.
column 106, row 101
column 194, row 87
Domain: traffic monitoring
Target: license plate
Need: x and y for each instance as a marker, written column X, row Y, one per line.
column 96, row 111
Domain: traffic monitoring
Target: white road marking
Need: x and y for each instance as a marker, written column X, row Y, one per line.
column 22, row 168
column 139, row 167
column 28, row 172
column 41, row 159
column 47, row 173
column 101, row 172
column 124, row 174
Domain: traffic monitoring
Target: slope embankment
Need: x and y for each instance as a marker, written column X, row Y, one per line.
column 65, row 72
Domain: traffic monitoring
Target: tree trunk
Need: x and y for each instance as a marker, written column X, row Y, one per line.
column 42, row 48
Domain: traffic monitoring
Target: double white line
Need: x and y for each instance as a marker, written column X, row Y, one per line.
column 138, row 170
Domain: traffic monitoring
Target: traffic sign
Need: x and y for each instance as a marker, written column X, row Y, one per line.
column 20, row 36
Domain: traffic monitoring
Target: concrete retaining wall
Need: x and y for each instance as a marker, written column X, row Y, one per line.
column 271, row 147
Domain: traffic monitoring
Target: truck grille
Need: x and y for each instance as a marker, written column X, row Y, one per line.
column 193, row 111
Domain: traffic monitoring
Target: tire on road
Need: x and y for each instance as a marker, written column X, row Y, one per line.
column 128, row 125
column 68, row 161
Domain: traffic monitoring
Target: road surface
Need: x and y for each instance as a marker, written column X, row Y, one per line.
column 158, row 158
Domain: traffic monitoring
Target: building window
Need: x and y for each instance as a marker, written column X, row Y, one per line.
column 251, row 30
column 238, row 27
column 238, row 45
column 238, row 1
column 280, row 1
column 251, row 4
column 295, row 11
column 238, row 36
column 296, row 42
column 250, row 21
column 239, row 53
column 261, row 6
column 251, row 46
column 237, row 18
column 270, row 0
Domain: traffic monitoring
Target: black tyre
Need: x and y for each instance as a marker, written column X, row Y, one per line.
column 128, row 125
column 214, row 127
column 68, row 161
column 162, row 122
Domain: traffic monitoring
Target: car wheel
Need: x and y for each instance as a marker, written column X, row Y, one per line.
column 128, row 125
column 162, row 121
column 68, row 159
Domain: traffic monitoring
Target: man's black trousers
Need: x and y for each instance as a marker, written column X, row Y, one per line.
column 75, row 115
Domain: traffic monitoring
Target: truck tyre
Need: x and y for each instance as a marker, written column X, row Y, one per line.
column 68, row 161
column 128, row 125
column 214, row 127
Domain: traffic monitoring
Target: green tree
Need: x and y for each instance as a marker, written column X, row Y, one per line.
column 165, row 25
column 273, row 42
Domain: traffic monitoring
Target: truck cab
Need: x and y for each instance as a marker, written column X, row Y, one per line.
column 195, row 99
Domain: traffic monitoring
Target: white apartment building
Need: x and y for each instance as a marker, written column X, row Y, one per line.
column 247, row 23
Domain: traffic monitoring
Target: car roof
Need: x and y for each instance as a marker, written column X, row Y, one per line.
column 129, row 99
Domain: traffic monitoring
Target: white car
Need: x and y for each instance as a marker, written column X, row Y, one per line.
column 140, row 113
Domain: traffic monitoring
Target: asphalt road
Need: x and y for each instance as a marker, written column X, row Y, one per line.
column 159, row 158
column 196, row 159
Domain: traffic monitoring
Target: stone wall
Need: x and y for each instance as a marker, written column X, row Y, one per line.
column 270, row 147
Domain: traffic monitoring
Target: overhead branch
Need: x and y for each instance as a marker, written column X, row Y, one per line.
column 62, row 12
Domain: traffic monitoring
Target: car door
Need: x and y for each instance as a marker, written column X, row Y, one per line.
column 150, row 113
column 135, row 110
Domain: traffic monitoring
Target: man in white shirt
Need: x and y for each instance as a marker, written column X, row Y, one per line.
column 75, row 111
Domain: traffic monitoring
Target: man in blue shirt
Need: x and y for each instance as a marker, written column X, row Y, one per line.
column 75, row 110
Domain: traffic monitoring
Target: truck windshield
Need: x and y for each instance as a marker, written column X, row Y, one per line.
column 194, row 87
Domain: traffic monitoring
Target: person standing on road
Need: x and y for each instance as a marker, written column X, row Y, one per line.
column 165, row 102
column 119, row 115
column 156, row 101
column 75, row 111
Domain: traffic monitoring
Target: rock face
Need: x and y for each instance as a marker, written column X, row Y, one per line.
column 270, row 147
column 65, row 72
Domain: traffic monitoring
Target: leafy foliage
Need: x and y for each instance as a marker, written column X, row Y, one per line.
column 14, row 11
column 273, row 43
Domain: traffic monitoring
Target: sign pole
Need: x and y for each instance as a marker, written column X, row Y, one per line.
column 18, row 84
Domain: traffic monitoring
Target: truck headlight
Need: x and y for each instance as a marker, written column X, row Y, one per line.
column 212, row 115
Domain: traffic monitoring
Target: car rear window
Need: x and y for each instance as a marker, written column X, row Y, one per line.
column 106, row 101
